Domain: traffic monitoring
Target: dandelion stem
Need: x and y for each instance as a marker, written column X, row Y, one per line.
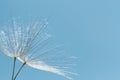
column 19, row 70
column 13, row 68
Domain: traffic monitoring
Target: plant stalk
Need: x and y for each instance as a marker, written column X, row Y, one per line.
column 13, row 68
column 19, row 71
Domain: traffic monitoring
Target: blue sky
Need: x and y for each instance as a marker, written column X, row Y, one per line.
column 89, row 29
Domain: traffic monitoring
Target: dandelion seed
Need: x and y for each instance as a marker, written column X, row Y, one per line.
column 28, row 45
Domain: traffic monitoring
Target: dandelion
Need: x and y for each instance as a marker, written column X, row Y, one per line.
column 28, row 44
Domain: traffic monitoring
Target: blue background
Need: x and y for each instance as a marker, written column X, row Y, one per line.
column 89, row 29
